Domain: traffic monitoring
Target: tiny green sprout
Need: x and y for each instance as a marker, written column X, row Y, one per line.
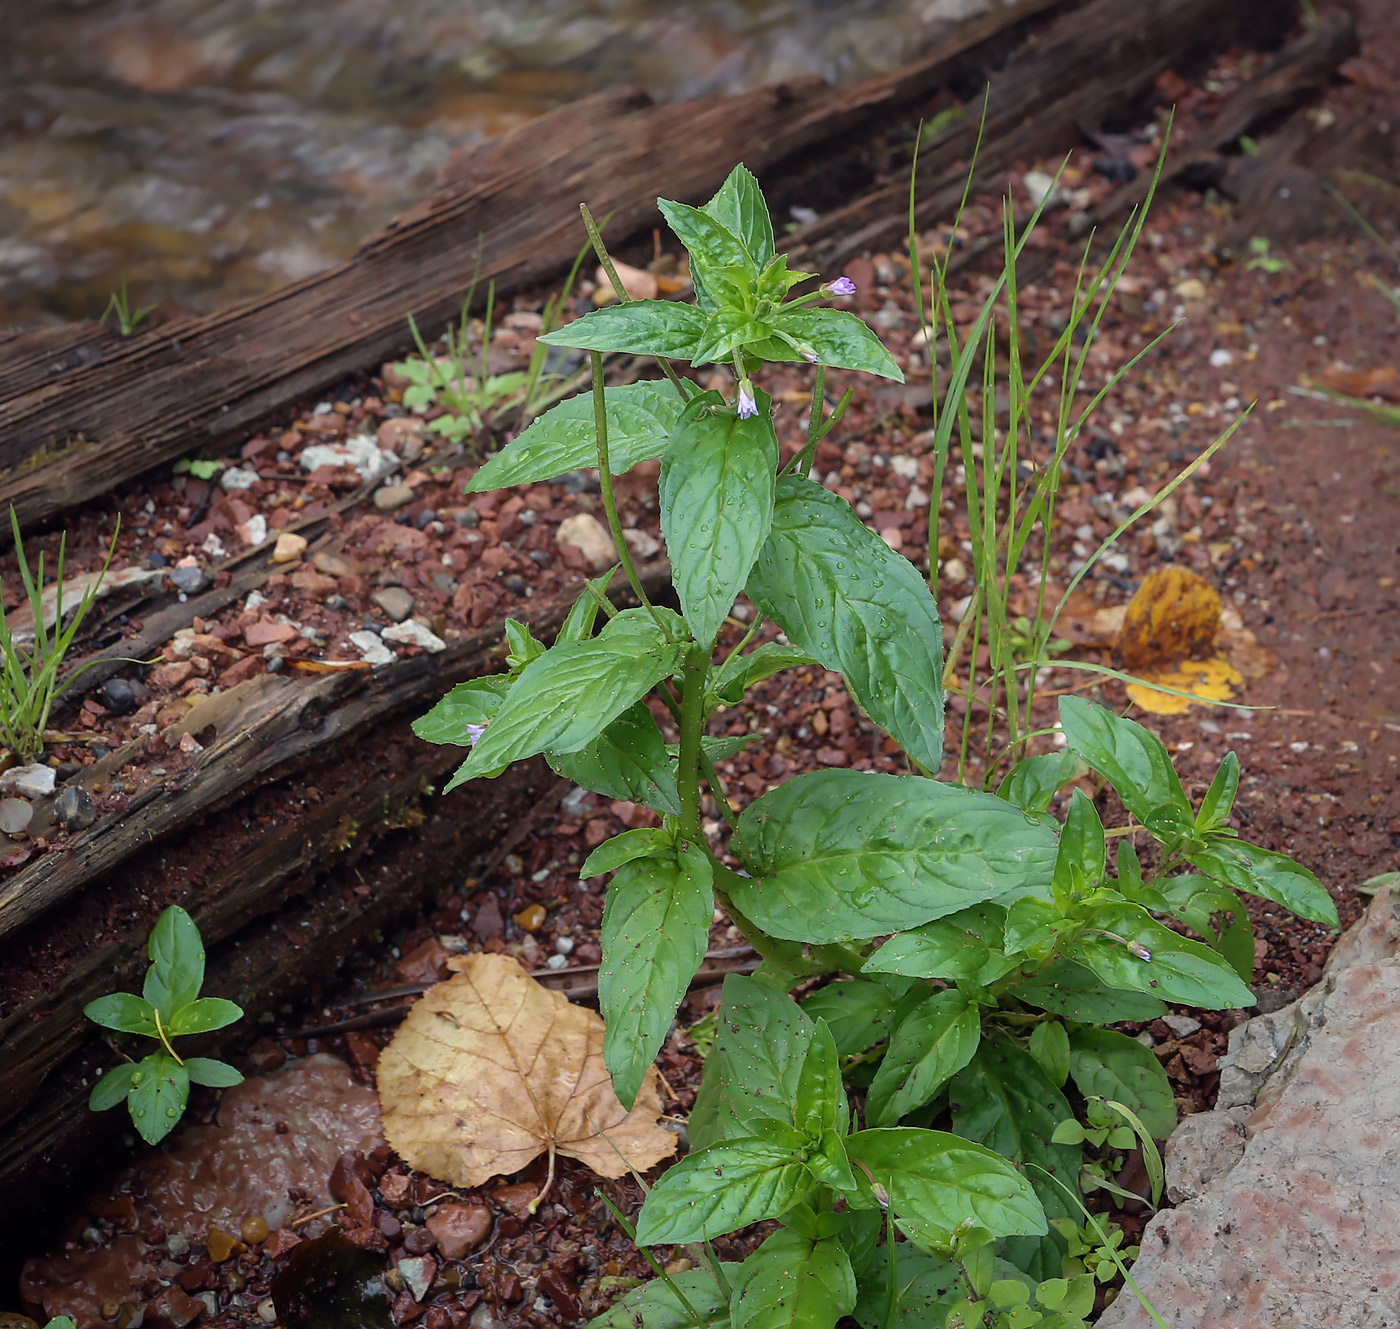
column 60, row 1322
column 202, row 468
column 157, row 1087
column 1262, row 260
column 128, row 319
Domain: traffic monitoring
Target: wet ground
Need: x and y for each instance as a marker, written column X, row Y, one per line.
column 208, row 149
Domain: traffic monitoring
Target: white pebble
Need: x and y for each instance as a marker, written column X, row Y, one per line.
column 1220, row 357
column 556, row 962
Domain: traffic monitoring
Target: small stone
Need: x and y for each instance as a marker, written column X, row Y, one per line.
column 238, row 477
column 585, row 532
column 117, row 697
column 188, row 579
column 253, row 531
column 1221, row 357
column 389, row 498
column 267, row 1311
column 335, row 565
column 15, row 815
column 413, row 633
column 642, row 543
column 1183, row 1026
column 264, row 632
column 254, row 1230
column 289, row 547
column 223, row 1245
column 1192, row 288
column 531, row 918
column 394, row 601
column 172, row 1308
column 372, row 650
column 31, row 781
column 418, row 1274
column 905, row 466
column 74, row 808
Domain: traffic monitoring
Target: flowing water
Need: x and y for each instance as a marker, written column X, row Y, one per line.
column 212, row 149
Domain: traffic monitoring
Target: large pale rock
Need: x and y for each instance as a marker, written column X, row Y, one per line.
column 1296, row 1223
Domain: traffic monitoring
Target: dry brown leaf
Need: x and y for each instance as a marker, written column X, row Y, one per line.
column 1209, row 680
column 640, row 284
column 491, row 1069
column 1382, row 381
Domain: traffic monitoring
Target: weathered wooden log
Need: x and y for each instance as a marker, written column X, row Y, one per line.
column 82, row 409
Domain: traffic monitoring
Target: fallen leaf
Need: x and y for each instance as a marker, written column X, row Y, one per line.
column 491, row 1069
column 1170, row 636
column 640, row 284
column 1382, row 381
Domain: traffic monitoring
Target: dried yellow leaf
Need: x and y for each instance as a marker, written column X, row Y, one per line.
column 1174, row 616
column 1208, row 680
column 491, row 1069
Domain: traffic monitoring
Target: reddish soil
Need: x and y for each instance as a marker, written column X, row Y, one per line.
column 1295, row 523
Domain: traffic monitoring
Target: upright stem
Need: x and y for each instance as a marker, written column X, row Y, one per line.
column 697, row 664
column 624, row 554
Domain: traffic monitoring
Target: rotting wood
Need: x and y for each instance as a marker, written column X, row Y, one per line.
column 82, row 410
column 1087, row 66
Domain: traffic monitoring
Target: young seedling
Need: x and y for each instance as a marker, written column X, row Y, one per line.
column 128, row 319
column 157, row 1087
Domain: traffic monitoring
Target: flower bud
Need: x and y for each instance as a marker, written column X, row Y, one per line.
column 747, row 405
column 841, row 286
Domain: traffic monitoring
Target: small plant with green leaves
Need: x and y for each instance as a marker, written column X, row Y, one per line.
column 157, row 1087
column 128, row 319
column 31, row 662
column 898, row 1123
column 1262, row 258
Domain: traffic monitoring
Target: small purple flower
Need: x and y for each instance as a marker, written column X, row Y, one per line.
column 748, row 406
column 808, row 354
column 474, row 733
column 841, row 286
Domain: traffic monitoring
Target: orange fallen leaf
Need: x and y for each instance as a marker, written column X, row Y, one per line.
column 1381, row 381
column 491, row 1069
column 1169, row 637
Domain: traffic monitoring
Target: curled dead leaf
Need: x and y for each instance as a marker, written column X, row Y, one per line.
column 1170, row 636
column 491, row 1069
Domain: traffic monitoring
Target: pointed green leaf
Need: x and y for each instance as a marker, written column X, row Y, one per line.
column 763, row 1037
column 719, row 1189
column 1034, row 781
column 1049, row 1045
column 1110, row 1065
column 846, row 598
column 214, row 1074
column 123, row 1011
column 840, row 340
column 1216, row 806
column 1072, row 991
column 640, row 419
column 740, row 208
column 1134, row 760
column 709, row 242
column 928, row 1286
column 941, row 1180
column 656, row 1305
column 1257, row 871
column 642, row 327
column 644, row 842
column 933, row 1043
column 726, row 329
column 792, row 1283
column 656, row 924
column 204, row 1015
column 739, row 673
column 115, row 1085
column 472, row 702
column 717, row 481
column 157, row 1099
column 821, row 1099
column 629, row 760
column 847, row 854
column 177, row 961
column 566, row 697
column 859, row 1014
column 964, row 946
column 1082, row 862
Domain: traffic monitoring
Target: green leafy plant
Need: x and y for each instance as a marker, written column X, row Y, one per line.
column 128, row 319
column 29, row 682
column 157, row 1087
column 1261, row 258
column 899, row 1123
column 202, row 468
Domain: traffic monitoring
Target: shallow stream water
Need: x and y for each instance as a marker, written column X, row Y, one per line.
column 212, row 149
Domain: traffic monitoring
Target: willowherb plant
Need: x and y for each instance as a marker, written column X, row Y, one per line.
column 983, row 945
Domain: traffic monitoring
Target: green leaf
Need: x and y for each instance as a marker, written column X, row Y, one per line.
column 123, row 1011
column 115, row 1085
column 965, row 946
column 843, row 596
column 820, row 1102
column 1216, row 806
column 1004, row 1102
column 739, row 673
column 859, row 1014
column 203, row 1015
column 1034, row 781
column 1082, row 862
column 719, row 1189
column 656, row 923
column 644, row 842
column 792, row 1283
column 727, row 329
column 763, row 1037
column 583, row 615
column 1246, row 867
column 211, row 1072
column 711, row 1118
column 628, row 760
column 927, row 1286
column 940, row 1181
column 847, row 854
column 1133, row 759
column 1217, row 913
column 472, row 702
column 1179, row 971
column 1110, row 1065
column 642, row 327
column 177, row 962
column 655, row 1305
column 840, row 340
column 717, row 481
column 1032, row 924
column 158, row 1097
column 934, row 1042
column 1071, row 990
column 709, row 242
column 739, row 207
column 566, row 697
column 1049, row 1045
